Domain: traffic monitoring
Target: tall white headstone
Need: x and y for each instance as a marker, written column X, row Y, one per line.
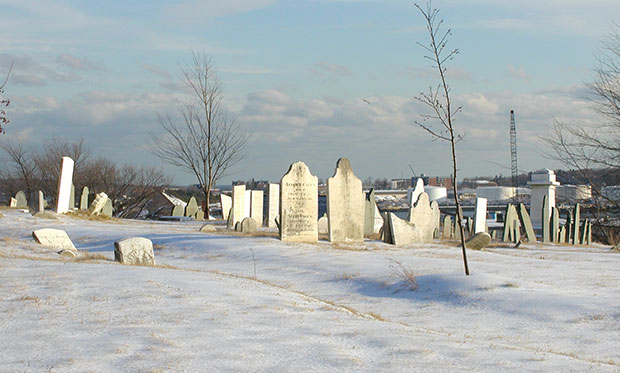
column 64, row 185
column 480, row 215
column 345, row 205
column 238, row 205
column 299, row 205
column 247, row 204
column 274, row 204
column 256, row 211
column 226, row 202
column 414, row 193
column 542, row 184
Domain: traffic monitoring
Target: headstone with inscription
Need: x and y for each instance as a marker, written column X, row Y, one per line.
column 345, row 205
column 21, row 201
column 299, row 205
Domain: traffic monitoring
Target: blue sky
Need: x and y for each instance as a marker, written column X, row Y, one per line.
column 295, row 75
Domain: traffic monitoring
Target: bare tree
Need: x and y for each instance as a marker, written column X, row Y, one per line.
column 438, row 100
column 20, row 168
column 204, row 141
column 4, row 101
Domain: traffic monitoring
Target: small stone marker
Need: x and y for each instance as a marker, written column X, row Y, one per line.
column 256, row 209
column 12, row 203
column 192, row 207
column 546, row 220
column 298, row 205
column 20, row 200
column 273, row 199
column 402, row 231
column 425, row 216
column 249, row 225
column 576, row 217
column 345, row 205
column 370, row 206
column 53, row 239
column 84, row 199
column 447, row 227
column 98, row 204
column 562, row 237
column 526, row 223
column 108, row 209
column 569, row 227
column 208, row 228
column 64, row 185
column 199, row 215
column 178, row 210
column 134, row 251
column 480, row 215
column 478, row 241
column 555, row 224
column 323, row 225
column 226, row 203
column 238, row 206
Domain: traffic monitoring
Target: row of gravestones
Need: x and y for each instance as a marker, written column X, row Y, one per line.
column 190, row 209
column 38, row 203
column 250, row 204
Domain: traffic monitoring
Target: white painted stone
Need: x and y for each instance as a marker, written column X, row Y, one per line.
column 98, row 204
column 247, row 204
column 298, row 205
column 323, row 225
column 345, row 205
column 64, row 185
column 480, row 215
column 542, row 184
column 425, row 217
column 274, row 204
column 226, row 203
column 134, row 251
column 53, row 239
column 237, row 212
column 256, row 210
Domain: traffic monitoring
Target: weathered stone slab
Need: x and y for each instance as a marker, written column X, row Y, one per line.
column 192, row 207
column 447, row 227
column 478, row 241
column 510, row 222
column 226, row 203
column 108, row 209
column 273, row 199
column 386, row 230
column 555, row 224
column 562, row 237
column 345, row 205
column 54, row 239
column 72, row 198
column 370, row 206
column 480, row 215
column 298, row 205
column 576, row 217
column 238, row 205
column 425, row 216
column 584, row 233
column 249, row 225
column 199, row 215
column 208, row 228
column 247, row 204
column 37, row 201
column 257, row 208
column 98, row 204
column 84, row 199
column 378, row 219
column 134, row 251
column 178, row 210
column 402, row 231
column 20, row 200
column 545, row 222
column 323, row 225
column 526, row 223
column 64, row 185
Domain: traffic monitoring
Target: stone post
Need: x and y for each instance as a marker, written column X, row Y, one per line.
column 542, row 184
column 64, row 185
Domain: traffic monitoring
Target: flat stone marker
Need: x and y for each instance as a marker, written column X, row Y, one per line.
column 208, row 228
column 273, row 200
column 526, row 223
column 447, row 227
column 84, row 199
column 192, row 207
column 108, row 209
column 402, row 231
column 20, row 200
column 345, row 205
column 256, row 209
column 425, row 215
column 478, row 241
column 98, row 204
column 134, row 251
column 249, row 225
column 64, row 185
column 480, row 215
column 238, row 205
column 299, row 205
column 323, row 225
column 226, row 203
column 53, row 239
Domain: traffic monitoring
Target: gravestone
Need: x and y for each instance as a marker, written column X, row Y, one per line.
column 178, row 210
column 192, row 207
column 457, row 230
column 478, row 241
column 542, row 184
column 470, row 226
column 378, row 220
column 256, row 210
column 84, row 199
column 237, row 213
column 386, row 230
column 555, row 225
column 345, row 205
column 72, row 198
column 569, row 227
column 576, row 217
column 323, row 225
column 494, row 234
column 511, row 221
column 298, row 204
column 589, row 237
column 249, row 225
column 98, row 203
column 480, row 215
column 37, row 201
column 425, row 216
column 370, row 207
column 447, row 227
column 54, row 239
column 247, row 204
column 526, row 223
column 12, row 202
column 108, row 209
column 273, row 196
column 226, row 203
column 562, row 237
column 208, row 228
column 134, row 251
column 199, row 215
column 20, row 200
column 64, row 185
column 584, row 233
column 403, row 232
column 414, row 193
column 546, row 220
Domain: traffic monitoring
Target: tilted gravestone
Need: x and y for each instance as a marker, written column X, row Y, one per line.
column 447, row 227
column 478, row 241
column 414, row 193
column 256, row 209
column 20, row 200
column 12, row 202
column 64, row 186
column 54, row 239
column 273, row 196
column 345, row 205
column 425, row 216
column 511, row 220
column 403, row 232
column 526, row 223
column 298, row 204
column 584, row 232
column 237, row 213
column 134, row 251
column 370, row 206
column 192, row 207
column 98, row 204
column 84, row 199
column 226, row 203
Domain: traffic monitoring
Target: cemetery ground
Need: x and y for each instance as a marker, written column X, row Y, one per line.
column 217, row 301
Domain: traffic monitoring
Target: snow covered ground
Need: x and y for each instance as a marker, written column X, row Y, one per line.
column 221, row 302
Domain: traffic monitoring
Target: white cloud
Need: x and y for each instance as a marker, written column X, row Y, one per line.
column 517, row 72
column 194, row 11
column 326, row 68
column 78, row 63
